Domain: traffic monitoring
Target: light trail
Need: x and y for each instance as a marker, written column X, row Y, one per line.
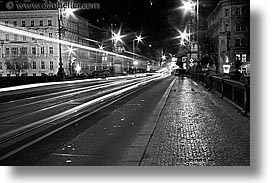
column 26, row 33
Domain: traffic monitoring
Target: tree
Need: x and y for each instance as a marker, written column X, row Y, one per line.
column 17, row 65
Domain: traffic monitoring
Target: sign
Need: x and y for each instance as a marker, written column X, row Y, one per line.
column 183, row 59
column 191, row 60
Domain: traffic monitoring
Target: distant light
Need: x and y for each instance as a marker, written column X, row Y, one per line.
column 117, row 37
column 101, row 47
column 139, row 38
column 163, row 57
column 77, row 68
column 135, row 62
column 187, row 5
column 71, row 50
column 69, row 11
column 174, row 59
column 150, row 45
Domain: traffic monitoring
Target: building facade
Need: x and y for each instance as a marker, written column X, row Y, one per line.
column 25, row 55
column 229, row 31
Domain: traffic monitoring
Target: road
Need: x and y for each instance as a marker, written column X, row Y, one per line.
column 91, row 122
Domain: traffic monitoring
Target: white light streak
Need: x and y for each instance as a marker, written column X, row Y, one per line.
column 37, row 36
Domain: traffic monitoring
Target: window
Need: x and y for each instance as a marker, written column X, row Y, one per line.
column 226, row 12
column 41, row 34
column 33, row 65
column 23, row 50
column 240, row 27
column 15, row 23
column 6, row 23
column 223, row 44
column 238, row 11
column 25, row 65
column 7, row 37
column 15, row 37
column 42, row 65
column 41, row 23
column 1, row 66
column 239, row 42
column 51, row 50
column 32, row 23
column 34, row 74
column 51, row 65
column 50, row 35
column 7, row 51
column 238, row 56
column 49, row 22
column 23, row 23
column 24, row 38
column 34, row 50
column 14, row 51
column 33, row 39
column 42, row 51
column 243, row 57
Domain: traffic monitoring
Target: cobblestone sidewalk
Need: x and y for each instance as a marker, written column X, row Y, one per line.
column 198, row 128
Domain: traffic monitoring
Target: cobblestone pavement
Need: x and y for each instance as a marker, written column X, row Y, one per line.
column 198, row 128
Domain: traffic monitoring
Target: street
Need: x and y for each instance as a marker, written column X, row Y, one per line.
column 187, row 126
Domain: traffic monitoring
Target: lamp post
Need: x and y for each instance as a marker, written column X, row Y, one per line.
column 68, row 11
column 189, row 6
column 138, row 39
column 61, row 71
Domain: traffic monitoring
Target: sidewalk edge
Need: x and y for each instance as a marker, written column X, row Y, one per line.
column 136, row 151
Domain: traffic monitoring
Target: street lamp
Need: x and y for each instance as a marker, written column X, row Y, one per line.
column 190, row 6
column 68, row 11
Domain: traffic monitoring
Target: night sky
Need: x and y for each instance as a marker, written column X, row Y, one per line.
column 155, row 19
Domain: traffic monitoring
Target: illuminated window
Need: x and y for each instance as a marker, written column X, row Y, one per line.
column 32, row 23
column 244, row 58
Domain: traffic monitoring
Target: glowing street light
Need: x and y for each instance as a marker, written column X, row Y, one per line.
column 138, row 39
column 188, row 5
column 71, row 50
column 78, row 68
column 117, row 37
column 163, row 57
column 101, row 47
column 68, row 11
column 192, row 6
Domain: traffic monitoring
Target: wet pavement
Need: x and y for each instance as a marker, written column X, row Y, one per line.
column 198, row 128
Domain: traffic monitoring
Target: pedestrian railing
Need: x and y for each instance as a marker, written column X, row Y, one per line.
column 235, row 92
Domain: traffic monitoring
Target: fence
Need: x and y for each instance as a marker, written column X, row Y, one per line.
column 235, row 92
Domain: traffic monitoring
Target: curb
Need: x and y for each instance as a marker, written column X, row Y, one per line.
column 135, row 153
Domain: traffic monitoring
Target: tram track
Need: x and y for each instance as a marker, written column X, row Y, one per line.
column 15, row 140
